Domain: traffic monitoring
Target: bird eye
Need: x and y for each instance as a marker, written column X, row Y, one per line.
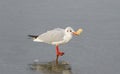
column 69, row 30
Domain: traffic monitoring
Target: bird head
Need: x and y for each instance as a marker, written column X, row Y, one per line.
column 70, row 31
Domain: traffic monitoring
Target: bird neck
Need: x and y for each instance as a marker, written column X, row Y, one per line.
column 67, row 38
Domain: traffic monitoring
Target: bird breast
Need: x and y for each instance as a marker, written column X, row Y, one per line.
column 67, row 38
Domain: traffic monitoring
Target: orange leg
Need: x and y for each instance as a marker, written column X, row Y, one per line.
column 58, row 53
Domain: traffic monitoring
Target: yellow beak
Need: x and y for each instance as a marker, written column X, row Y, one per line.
column 78, row 32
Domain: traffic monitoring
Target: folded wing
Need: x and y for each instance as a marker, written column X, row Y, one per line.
column 54, row 35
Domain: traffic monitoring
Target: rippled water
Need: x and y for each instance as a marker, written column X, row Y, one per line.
column 95, row 51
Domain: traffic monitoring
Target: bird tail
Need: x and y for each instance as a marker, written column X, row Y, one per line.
column 33, row 36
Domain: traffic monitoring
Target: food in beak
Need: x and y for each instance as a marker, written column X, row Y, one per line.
column 78, row 32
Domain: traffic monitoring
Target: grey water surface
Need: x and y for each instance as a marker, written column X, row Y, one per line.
column 95, row 51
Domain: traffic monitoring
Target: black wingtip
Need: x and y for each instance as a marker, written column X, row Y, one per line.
column 33, row 36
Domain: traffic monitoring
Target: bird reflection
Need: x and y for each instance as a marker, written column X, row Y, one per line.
column 51, row 67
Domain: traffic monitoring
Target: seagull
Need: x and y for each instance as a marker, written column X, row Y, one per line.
column 57, row 36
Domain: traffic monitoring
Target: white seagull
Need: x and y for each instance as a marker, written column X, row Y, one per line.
column 56, row 37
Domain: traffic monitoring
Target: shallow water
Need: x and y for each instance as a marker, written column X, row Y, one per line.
column 95, row 51
column 51, row 67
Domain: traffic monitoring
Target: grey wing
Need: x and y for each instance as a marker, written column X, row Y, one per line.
column 52, row 36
